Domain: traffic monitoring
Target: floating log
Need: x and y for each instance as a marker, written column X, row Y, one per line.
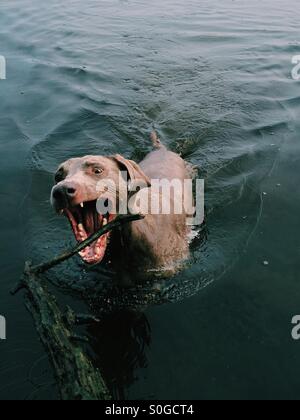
column 77, row 378
column 115, row 224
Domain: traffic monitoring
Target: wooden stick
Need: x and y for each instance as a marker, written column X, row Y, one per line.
column 116, row 223
column 77, row 378
column 42, row 268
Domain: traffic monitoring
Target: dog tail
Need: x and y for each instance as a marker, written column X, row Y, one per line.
column 157, row 144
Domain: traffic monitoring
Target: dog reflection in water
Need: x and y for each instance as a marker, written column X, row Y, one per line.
column 118, row 344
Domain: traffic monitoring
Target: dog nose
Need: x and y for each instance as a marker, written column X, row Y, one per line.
column 63, row 193
column 71, row 191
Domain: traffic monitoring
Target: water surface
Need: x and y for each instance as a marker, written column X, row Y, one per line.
column 214, row 78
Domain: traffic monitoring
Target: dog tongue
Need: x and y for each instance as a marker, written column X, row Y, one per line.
column 82, row 235
column 89, row 212
column 95, row 253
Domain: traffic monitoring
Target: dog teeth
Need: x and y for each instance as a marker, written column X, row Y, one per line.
column 81, row 205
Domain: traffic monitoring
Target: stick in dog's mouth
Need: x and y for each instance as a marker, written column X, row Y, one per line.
column 85, row 221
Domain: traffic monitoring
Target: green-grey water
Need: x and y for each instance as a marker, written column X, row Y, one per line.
column 214, row 78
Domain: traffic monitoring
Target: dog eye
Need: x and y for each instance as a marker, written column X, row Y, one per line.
column 59, row 176
column 98, row 171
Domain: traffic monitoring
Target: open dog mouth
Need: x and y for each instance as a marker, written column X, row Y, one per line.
column 85, row 220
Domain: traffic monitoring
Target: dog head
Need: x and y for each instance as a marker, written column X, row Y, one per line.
column 89, row 191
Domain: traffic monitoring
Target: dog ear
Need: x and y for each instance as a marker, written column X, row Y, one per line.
column 136, row 175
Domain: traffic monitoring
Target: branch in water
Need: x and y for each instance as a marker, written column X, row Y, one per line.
column 42, row 268
column 116, row 223
column 76, row 376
